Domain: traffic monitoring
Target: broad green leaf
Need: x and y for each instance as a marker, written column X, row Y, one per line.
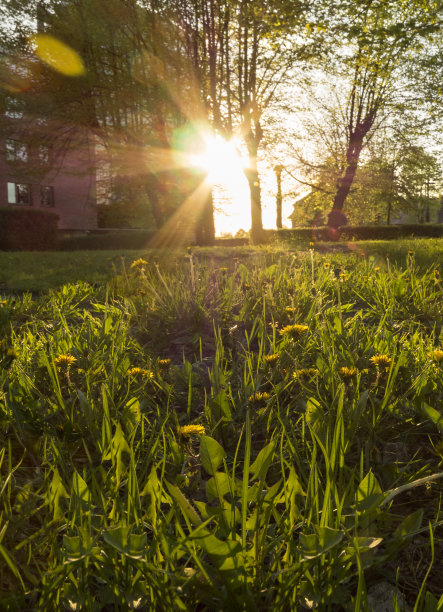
column 211, row 454
column 56, row 490
column 409, row 525
column 131, row 545
column 369, row 493
column 76, row 548
column 218, row 486
column 220, row 406
column 117, row 538
column 261, row 465
column 213, row 546
column 316, row 544
column 434, row 415
column 80, row 488
column 131, row 413
column 234, row 562
column 137, row 545
column 363, row 543
column 185, row 506
column 314, row 412
column 119, row 446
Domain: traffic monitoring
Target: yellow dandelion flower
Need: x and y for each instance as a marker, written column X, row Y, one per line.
column 304, row 373
column 141, row 372
column 271, row 359
column 348, row 373
column 65, row 361
column 290, row 309
column 134, row 371
column 259, row 398
column 381, row 360
column 311, row 244
column 326, row 264
column 294, row 331
column 186, row 431
column 138, row 263
column 437, row 355
column 164, row 363
column 377, row 269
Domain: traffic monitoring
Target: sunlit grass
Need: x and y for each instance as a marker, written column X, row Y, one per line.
column 224, row 430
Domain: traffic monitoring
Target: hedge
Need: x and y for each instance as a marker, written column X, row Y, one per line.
column 115, row 239
column 27, row 229
column 356, row 232
column 105, row 239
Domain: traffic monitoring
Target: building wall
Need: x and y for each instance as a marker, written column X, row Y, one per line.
column 70, row 173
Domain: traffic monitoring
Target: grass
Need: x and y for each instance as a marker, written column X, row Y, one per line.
column 36, row 272
column 203, row 431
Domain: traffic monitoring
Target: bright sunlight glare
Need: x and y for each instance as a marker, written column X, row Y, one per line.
column 224, row 165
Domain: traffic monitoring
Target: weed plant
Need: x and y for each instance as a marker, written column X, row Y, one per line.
column 262, row 434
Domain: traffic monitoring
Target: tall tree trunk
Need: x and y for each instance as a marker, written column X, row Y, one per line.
column 251, row 172
column 344, row 184
column 205, row 230
column 355, row 146
column 255, row 195
column 278, row 170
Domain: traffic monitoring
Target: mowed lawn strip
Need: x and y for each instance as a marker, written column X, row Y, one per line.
column 36, row 271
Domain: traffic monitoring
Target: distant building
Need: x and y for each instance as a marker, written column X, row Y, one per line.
column 38, row 169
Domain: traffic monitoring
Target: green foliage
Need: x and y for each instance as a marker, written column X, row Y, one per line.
column 357, row 232
column 299, row 477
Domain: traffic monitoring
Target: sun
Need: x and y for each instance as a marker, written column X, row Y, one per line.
column 221, row 159
column 224, row 166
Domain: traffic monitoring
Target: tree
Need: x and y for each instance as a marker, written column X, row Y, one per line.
column 380, row 37
column 241, row 52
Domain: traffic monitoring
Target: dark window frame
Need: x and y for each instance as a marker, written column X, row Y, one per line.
column 18, row 196
column 16, row 151
column 47, row 190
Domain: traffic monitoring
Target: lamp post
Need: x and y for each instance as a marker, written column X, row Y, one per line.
column 428, row 213
column 278, row 169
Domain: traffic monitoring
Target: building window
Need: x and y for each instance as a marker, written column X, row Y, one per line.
column 16, row 151
column 47, row 196
column 19, row 193
column 44, row 154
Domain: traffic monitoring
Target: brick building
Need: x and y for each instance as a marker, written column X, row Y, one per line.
column 42, row 167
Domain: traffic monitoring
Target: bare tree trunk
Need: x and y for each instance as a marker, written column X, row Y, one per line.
column 278, row 170
column 205, row 230
column 344, row 184
column 256, row 212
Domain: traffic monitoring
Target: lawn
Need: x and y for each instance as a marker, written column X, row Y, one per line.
column 245, row 429
column 37, row 271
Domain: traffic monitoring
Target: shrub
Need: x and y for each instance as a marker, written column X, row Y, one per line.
column 388, row 232
column 103, row 240
column 357, row 232
column 27, row 229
